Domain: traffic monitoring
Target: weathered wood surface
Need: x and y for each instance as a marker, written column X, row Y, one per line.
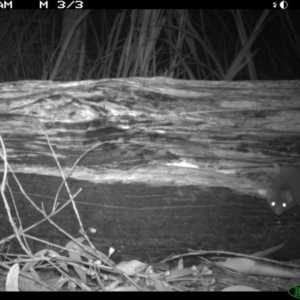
column 177, row 162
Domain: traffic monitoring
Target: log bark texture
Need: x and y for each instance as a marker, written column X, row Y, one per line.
column 168, row 163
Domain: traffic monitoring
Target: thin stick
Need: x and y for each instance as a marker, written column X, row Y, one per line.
column 3, row 184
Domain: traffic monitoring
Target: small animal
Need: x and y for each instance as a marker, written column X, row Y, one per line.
column 284, row 192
